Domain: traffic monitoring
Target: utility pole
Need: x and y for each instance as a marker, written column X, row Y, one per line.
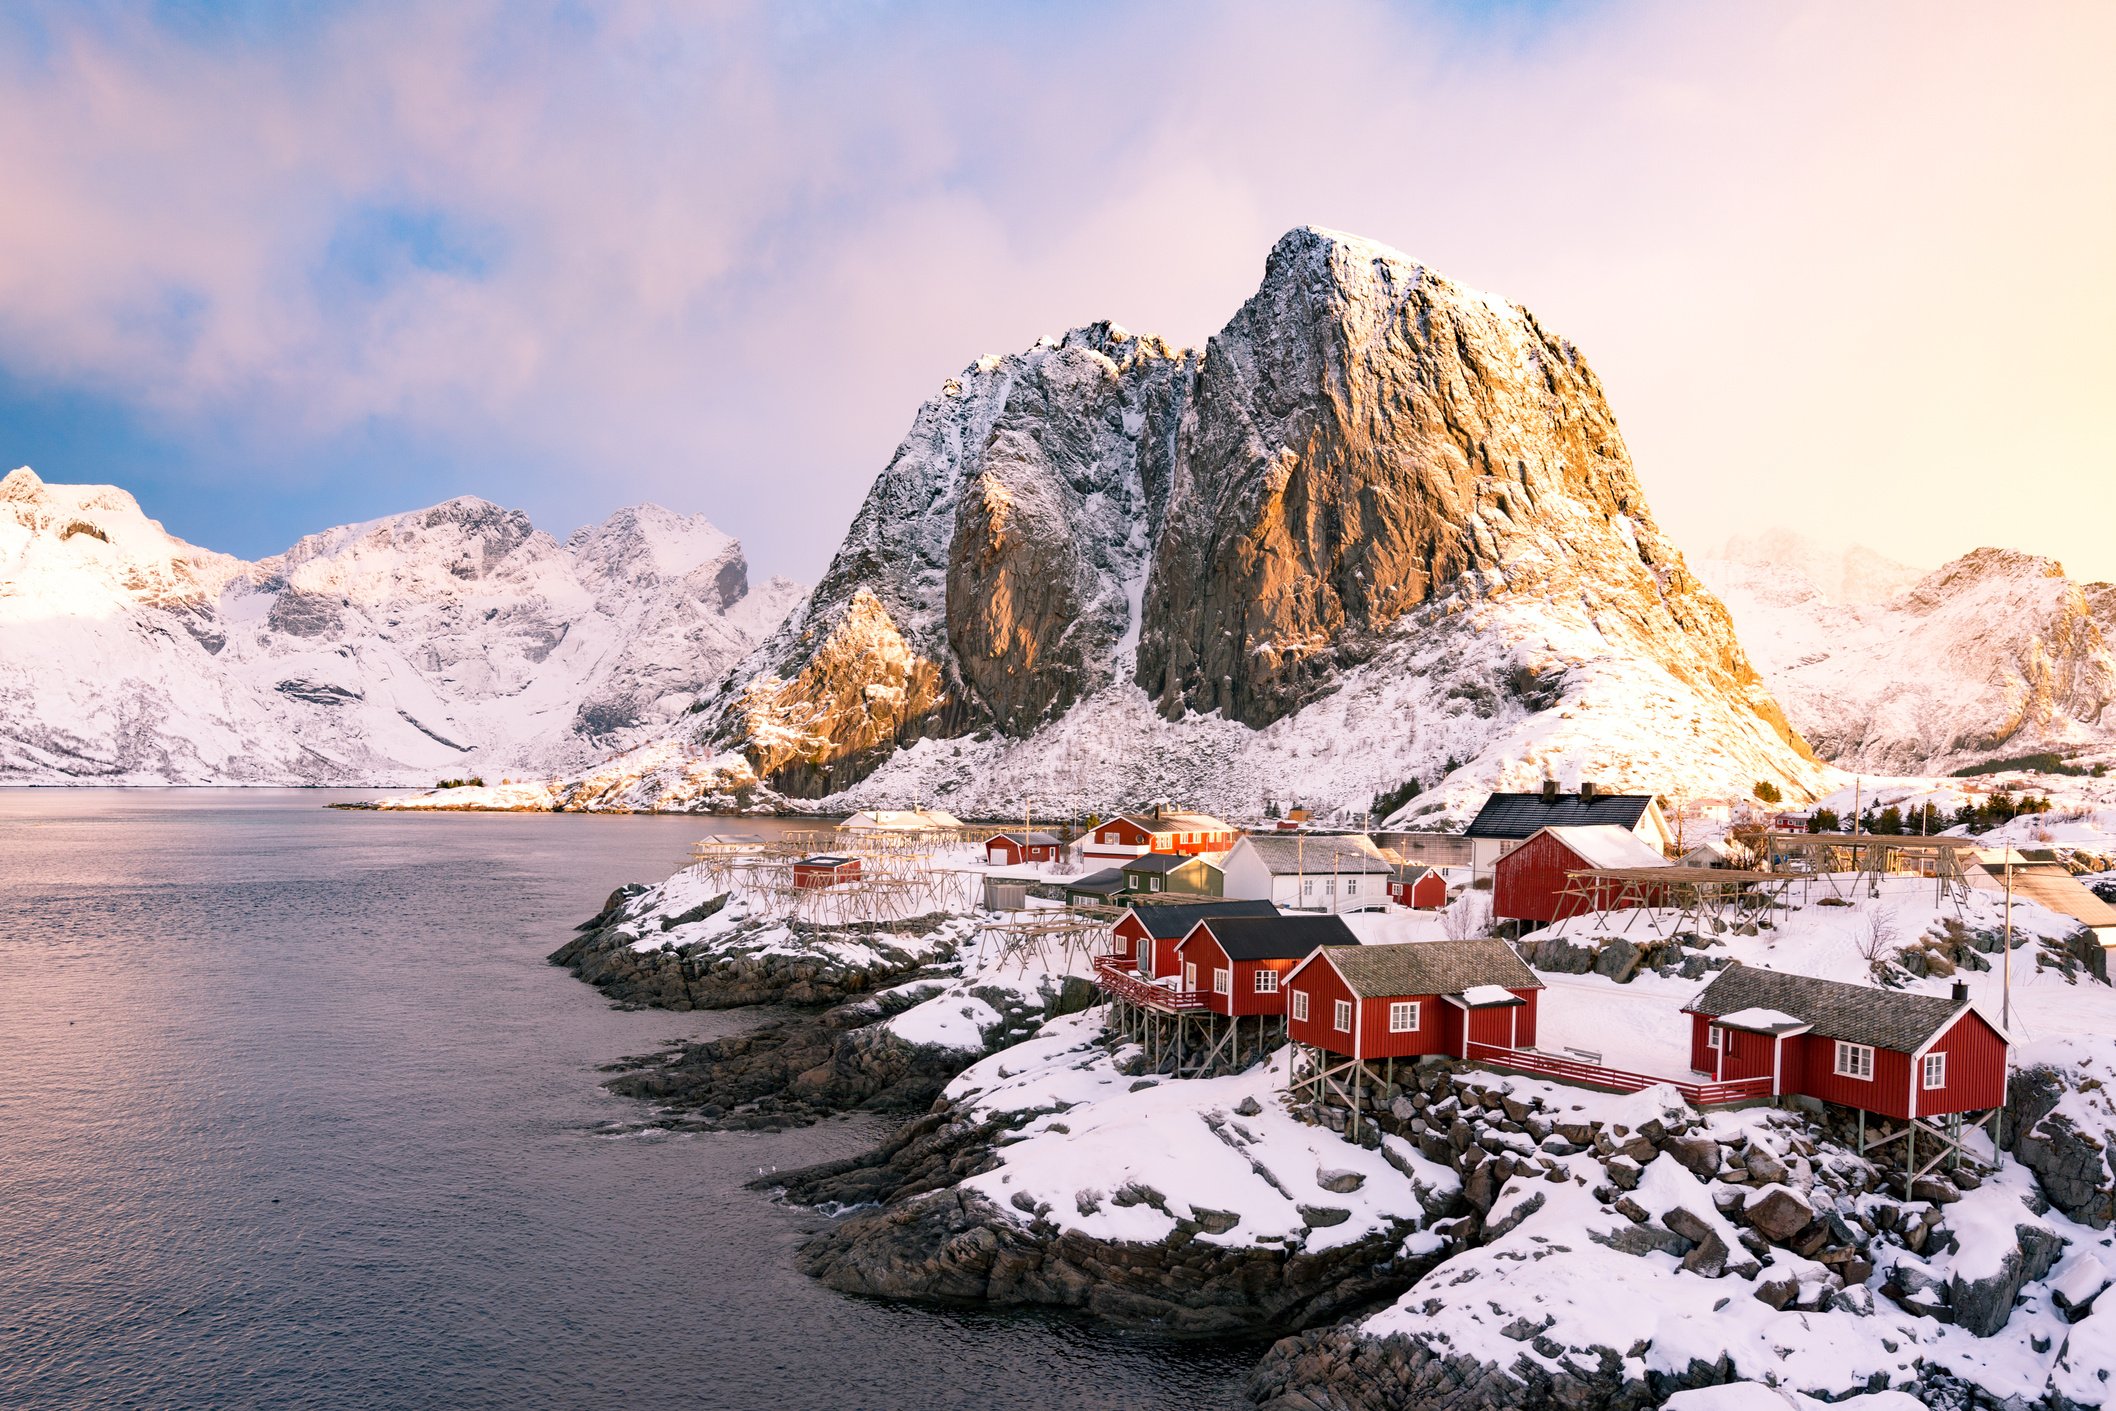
column 1858, row 784
column 2006, row 1007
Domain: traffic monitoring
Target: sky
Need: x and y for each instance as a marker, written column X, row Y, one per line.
column 273, row 267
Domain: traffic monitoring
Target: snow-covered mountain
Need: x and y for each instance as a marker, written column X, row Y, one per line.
column 448, row 641
column 1382, row 529
column 1995, row 655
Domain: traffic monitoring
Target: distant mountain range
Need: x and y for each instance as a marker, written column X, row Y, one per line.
column 1996, row 655
column 453, row 641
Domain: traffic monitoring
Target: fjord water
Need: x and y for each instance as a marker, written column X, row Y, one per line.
column 294, row 1114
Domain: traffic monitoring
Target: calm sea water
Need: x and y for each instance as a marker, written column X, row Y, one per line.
column 294, row 1114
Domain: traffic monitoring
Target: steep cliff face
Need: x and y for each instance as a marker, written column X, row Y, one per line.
column 448, row 641
column 1994, row 655
column 1375, row 492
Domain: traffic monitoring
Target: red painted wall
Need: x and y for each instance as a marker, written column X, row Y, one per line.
column 1528, row 883
column 1888, row 1093
column 1125, row 937
column 1428, row 893
column 1005, row 852
column 1976, row 1069
column 805, row 878
column 1203, row 949
column 1324, row 990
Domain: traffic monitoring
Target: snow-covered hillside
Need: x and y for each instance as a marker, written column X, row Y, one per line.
column 1995, row 655
column 449, row 641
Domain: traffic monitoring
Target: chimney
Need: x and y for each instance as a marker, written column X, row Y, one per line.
column 1550, row 791
column 1587, row 791
column 1961, row 993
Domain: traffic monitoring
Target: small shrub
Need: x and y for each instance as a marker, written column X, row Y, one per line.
column 473, row 782
column 1768, row 792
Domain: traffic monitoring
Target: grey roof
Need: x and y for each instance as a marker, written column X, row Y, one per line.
column 1172, row 920
column 1171, row 821
column 1037, row 839
column 1107, row 882
column 1415, row 872
column 1284, row 854
column 1859, row 1014
column 1520, row 815
column 1278, row 937
column 825, row 860
column 1433, row 968
column 1163, row 863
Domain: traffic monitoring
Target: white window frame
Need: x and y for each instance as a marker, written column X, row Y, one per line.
column 1715, row 1037
column 1300, row 1005
column 1351, row 886
column 1851, row 1058
column 1222, row 980
column 1307, row 886
column 1405, row 1016
column 1341, row 1016
column 1266, row 981
column 1933, row 1071
column 1190, row 974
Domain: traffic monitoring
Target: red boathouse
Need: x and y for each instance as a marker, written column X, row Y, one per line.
column 1412, row 999
column 1146, row 935
column 825, row 870
column 1420, row 888
column 1534, row 881
column 1905, row 1056
column 1014, row 849
column 1236, row 963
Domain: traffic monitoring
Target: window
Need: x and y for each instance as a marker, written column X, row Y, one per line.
column 1351, row 885
column 1342, row 1017
column 1715, row 1037
column 1267, row 982
column 1222, row 980
column 1300, row 1005
column 1403, row 1016
column 1935, row 1070
column 1190, row 974
column 1855, row 1061
column 1308, row 886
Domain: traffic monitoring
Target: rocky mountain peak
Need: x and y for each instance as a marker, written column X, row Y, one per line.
column 1365, row 448
column 21, row 483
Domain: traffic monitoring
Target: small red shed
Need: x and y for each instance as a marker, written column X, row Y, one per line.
column 1146, row 935
column 825, row 870
column 1887, row 1052
column 1014, row 849
column 1412, row 999
column 1237, row 962
column 1420, row 888
column 1531, row 882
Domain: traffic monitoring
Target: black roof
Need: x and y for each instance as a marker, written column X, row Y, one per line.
column 1277, row 937
column 1172, row 920
column 1858, row 1014
column 1163, row 863
column 1107, row 882
column 1520, row 815
column 824, row 859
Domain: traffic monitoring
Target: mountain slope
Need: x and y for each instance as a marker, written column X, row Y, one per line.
column 453, row 640
column 1997, row 654
column 1382, row 528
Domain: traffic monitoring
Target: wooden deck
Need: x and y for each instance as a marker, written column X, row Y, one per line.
column 1594, row 1075
column 1123, row 982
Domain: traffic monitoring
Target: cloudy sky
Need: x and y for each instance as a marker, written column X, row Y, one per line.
column 279, row 266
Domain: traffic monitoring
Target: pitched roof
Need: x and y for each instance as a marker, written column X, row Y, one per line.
column 1520, row 815
column 1318, row 853
column 1038, row 839
column 1163, row 863
column 1107, row 882
column 1171, row 821
column 1604, row 845
column 1172, row 920
column 1433, row 968
column 1416, row 872
column 825, row 859
column 1277, row 937
column 1859, row 1014
column 891, row 820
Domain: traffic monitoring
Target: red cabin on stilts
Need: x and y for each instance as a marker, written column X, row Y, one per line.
column 1413, row 999
column 1146, row 936
column 1237, row 962
column 825, row 871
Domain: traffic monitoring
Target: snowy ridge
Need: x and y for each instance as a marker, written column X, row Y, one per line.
column 456, row 640
column 1995, row 655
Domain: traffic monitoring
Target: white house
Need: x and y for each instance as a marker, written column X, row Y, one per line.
column 1329, row 872
column 901, row 820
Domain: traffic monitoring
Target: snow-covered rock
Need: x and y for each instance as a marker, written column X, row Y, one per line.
column 1383, row 528
column 452, row 641
column 1995, row 655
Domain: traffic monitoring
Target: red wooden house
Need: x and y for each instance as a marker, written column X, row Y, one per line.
column 1130, row 835
column 1881, row 1051
column 1420, row 888
column 1014, row 849
column 1146, row 936
column 1532, row 882
column 1237, row 962
column 1413, row 999
column 825, row 870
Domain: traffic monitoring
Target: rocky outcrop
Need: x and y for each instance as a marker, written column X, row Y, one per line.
column 1368, row 456
column 2075, row 1167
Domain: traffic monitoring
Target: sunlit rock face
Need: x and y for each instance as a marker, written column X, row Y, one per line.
column 449, row 641
column 1373, row 486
